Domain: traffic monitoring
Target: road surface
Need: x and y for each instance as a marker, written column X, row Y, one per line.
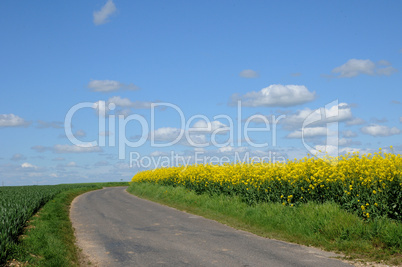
column 115, row 228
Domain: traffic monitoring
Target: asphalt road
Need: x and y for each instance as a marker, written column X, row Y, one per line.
column 115, row 228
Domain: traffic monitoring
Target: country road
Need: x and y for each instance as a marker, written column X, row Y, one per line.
column 115, row 228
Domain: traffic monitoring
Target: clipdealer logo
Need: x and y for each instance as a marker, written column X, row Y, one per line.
column 237, row 131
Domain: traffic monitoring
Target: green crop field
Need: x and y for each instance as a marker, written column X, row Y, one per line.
column 18, row 204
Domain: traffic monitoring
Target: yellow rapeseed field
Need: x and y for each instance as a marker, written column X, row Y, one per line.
column 369, row 184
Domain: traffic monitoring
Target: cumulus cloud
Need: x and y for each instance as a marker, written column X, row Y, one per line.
column 231, row 149
column 275, row 95
column 355, row 121
column 354, row 67
column 309, row 132
column 349, row 133
column 380, row 130
column 387, row 71
column 106, row 86
column 178, row 136
column 203, row 126
column 384, row 63
column 125, row 102
column 347, row 142
column 75, row 149
column 28, row 165
column 336, row 113
column 334, row 151
column 101, row 16
column 11, row 120
column 166, row 134
column 249, row 74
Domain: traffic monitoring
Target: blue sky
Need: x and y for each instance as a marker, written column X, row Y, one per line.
column 213, row 69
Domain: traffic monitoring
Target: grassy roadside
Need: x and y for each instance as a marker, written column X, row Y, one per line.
column 326, row 226
column 49, row 239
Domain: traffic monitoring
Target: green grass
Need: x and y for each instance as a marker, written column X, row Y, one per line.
column 326, row 226
column 48, row 239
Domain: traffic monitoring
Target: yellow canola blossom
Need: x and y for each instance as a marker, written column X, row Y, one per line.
column 349, row 180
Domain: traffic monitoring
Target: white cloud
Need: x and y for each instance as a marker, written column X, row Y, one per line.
column 166, row 134
column 249, row 74
column 127, row 103
column 380, row 130
column 75, row 149
column 231, row 149
column 349, row 133
column 101, row 108
column 355, row 121
column 105, row 86
column 159, row 154
column 203, row 126
column 400, row 119
column 347, row 142
column 387, row 71
column 354, row 67
column 178, row 136
column 276, row 95
column 28, row 165
column 334, row 151
column 336, row 113
column 101, row 16
column 104, row 107
column 11, row 120
column 122, row 102
column 309, row 132
column 384, row 63
column 194, row 140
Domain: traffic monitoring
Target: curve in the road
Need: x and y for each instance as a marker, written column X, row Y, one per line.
column 115, row 228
